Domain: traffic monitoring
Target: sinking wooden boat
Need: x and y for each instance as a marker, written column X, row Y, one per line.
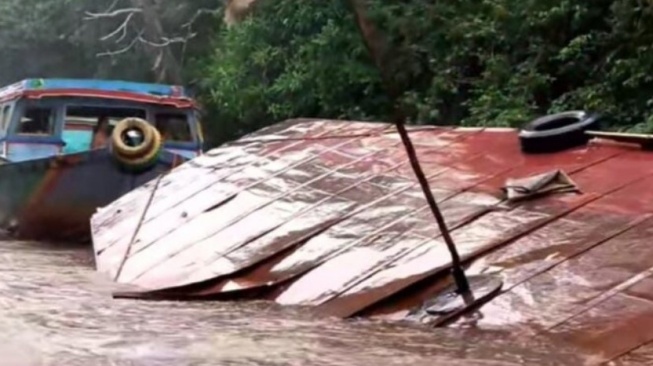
column 327, row 214
column 53, row 179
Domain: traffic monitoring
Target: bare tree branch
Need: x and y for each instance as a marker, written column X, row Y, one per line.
column 165, row 41
column 112, row 14
column 141, row 24
column 120, row 51
column 122, row 28
column 197, row 15
column 112, row 6
column 162, row 42
column 189, row 29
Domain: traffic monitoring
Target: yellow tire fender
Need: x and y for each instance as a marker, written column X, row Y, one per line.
column 148, row 156
column 122, row 149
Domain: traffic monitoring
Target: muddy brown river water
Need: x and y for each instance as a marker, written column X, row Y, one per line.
column 55, row 310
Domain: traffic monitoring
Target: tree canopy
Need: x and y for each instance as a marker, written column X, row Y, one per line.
column 469, row 62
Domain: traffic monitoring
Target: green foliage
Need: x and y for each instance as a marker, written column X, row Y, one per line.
column 290, row 59
column 471, row 62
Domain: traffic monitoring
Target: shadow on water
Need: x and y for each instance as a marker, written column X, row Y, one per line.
column 57, row 311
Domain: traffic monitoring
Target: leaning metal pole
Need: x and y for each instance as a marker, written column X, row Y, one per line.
column 456, row 265
column 375, row 48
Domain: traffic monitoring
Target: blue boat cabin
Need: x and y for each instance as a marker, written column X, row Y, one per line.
column 45, row 117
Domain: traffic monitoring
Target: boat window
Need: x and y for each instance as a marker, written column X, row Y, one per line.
column 85, row 117
column 37, row 121
column 89, row 127
column 6, row 117
column 173, row 126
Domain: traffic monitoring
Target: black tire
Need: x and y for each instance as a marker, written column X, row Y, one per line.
column 557, row 132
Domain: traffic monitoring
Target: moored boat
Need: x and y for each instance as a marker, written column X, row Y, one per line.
column 69, row 146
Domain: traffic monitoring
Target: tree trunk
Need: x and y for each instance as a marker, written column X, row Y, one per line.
column 377, row 46
column 165, row 64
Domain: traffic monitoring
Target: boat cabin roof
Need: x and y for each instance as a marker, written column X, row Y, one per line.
column 328, row 214
column 162, row 94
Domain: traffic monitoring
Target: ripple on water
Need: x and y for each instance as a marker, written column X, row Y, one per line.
column 57, row 311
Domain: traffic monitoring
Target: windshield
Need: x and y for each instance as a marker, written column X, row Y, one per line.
column 87, row 127
column 174, row 126
column 37, row 120
column 88, row 117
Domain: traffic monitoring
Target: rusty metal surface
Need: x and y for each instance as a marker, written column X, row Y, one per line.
column 52, row 198
column 328, row 214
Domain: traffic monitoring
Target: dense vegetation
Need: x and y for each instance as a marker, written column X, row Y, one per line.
column 473, row 62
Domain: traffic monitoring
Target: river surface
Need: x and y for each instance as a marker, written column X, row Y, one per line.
column 55, row 310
